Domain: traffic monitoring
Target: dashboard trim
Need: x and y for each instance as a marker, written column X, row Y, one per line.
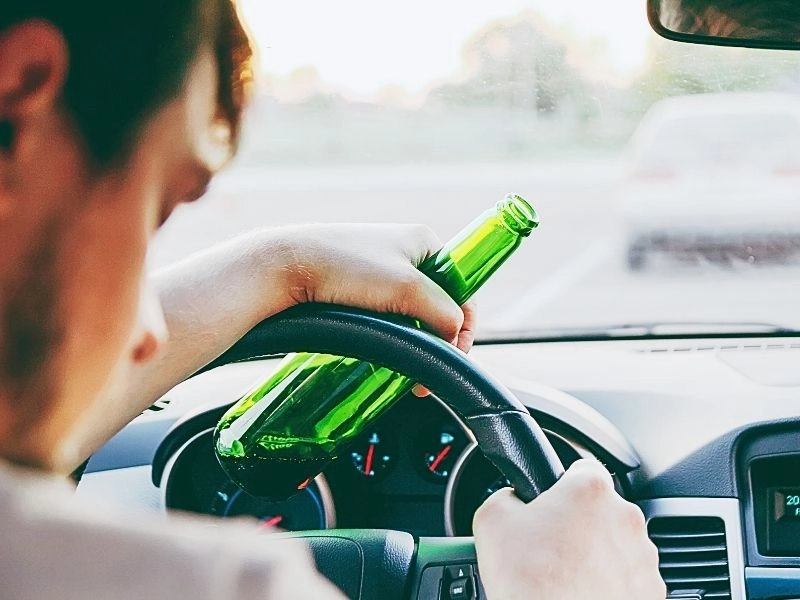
column 573, row 412
column 727, row 509
column 767, row 582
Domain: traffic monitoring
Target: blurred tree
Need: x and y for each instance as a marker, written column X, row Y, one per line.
column 513, row 64
column 676, row 69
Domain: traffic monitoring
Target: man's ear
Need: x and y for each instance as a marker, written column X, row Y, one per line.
column 33, row 68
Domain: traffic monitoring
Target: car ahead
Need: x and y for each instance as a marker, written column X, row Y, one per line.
column 715, row 177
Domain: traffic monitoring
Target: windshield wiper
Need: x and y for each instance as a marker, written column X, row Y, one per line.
column 639, row 331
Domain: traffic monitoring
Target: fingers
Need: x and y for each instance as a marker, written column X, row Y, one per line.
column 424, row 243
column 502, row 500
column 439, row 312
column 466, row 337
column 496, row 509
column 377, row 269
column 421, row 298
column 589, row 471
column 580, row 520
column 428, row 243
column 586, row 478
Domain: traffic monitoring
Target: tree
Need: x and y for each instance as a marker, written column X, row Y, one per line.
column 513, row 64
column 676, row 69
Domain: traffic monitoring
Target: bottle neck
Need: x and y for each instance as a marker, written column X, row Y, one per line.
column 517, row 214
column 470, row 258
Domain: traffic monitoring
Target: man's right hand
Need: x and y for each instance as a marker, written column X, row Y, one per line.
column 578, row 540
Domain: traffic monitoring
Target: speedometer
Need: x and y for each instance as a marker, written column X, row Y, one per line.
column 303, row 511
column 195, row 482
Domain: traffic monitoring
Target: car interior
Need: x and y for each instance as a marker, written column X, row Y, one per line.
column 678, row 372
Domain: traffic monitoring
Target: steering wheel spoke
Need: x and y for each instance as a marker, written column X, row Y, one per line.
column 390, row 565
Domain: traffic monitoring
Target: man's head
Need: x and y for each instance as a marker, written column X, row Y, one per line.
column 111, row 114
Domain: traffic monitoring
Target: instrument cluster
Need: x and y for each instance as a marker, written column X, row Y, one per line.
column 417, row 470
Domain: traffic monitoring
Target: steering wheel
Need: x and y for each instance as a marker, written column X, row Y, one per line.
column 382, row 564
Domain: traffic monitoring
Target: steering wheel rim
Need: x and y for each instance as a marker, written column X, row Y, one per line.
column 504, row 430
column 487, row 407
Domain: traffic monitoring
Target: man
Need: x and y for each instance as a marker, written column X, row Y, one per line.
column 111, row 115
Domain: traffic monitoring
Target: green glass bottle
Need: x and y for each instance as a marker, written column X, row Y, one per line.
column 284, row 431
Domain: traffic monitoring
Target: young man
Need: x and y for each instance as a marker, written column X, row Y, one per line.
column 111, row 115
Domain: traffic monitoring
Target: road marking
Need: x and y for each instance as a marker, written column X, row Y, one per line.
column 553, row 287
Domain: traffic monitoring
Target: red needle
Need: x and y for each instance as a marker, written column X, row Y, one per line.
column 273, row 521
column 368, row 462
column 439, row 458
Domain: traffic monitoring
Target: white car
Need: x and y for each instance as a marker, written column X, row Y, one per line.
column 715, row 176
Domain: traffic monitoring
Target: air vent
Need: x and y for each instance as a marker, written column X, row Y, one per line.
column 692, row 554
column 158, row 405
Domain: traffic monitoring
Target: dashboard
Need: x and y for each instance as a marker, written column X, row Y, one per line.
column 704, row 434
column 417, row 470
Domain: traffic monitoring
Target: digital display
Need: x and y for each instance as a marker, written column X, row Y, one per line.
column 775, row 484
column 786, row 502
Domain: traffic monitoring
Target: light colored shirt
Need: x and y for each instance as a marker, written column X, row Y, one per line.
column 56, row 547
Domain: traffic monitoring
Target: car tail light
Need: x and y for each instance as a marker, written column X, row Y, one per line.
column 652, row 174
column 787, row 171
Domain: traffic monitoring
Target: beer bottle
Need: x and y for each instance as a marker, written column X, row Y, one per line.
column 285, row 430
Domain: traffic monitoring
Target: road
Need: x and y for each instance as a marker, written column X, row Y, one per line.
column 571, row 272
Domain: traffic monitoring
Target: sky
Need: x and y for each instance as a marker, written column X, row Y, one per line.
column 361, row 46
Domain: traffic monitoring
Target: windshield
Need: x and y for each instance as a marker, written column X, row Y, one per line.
column 743, row 140
column 667, row 176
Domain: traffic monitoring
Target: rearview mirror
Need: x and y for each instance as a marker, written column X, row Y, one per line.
column 748, row 23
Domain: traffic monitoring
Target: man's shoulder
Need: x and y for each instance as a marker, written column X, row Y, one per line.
column 58, row 547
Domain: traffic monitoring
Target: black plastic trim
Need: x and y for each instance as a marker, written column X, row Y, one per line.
column 691, row 38
column 566, row 337
column 181, row 432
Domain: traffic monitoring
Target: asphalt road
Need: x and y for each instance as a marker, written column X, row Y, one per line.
column 571, row 273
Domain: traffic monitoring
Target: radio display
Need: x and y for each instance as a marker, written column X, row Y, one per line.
column 775, row 489
column 786, row 504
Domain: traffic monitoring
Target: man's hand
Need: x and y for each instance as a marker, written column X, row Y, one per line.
column 213, row 298
column 373, row 267
column 578, row 540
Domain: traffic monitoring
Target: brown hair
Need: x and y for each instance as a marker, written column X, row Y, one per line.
column 129, row 57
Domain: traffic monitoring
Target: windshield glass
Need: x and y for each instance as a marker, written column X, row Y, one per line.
column 667, row 176
column 739, row 139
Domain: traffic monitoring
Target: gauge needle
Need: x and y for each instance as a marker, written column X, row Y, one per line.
column 439, row 458
column 368, row 462
column 273, row 521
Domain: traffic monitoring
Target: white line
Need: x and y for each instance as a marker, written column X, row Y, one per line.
column 554, row 286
